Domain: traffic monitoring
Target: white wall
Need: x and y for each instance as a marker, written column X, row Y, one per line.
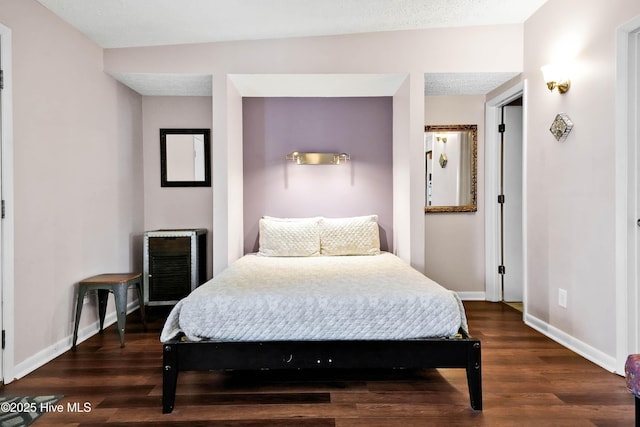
column 401, row 176
column 571, row 185
column 454, row 243
column 407, row 52
column 174, row 207
column 78, row 184
column 77, row 177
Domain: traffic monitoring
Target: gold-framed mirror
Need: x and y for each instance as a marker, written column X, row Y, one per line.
column 451, row 168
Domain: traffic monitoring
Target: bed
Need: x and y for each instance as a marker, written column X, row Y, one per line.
column 319, row 293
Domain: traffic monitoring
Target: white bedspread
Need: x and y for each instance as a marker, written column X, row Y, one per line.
column 317, row 298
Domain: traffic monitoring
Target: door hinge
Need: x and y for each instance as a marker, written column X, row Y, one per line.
column 1, row 79
column 501, row 128
column 2, row 209
column 4, row 338
column 501, row 269
column 500, row 199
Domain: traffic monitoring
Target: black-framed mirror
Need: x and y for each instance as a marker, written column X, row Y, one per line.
column 185, row 158
column 451, row 156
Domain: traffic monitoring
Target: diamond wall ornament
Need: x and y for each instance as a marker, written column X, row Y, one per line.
column 443, row 160
column 561, row 127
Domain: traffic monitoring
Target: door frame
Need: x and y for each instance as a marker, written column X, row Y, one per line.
column 7, row 224
column 493, row 288
column 627, row 203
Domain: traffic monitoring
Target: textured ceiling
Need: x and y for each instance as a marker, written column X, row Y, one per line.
column 464, row 83
column 156, row 84
column 127, row 23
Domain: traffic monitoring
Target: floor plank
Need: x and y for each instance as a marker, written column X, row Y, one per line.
column 528, row 380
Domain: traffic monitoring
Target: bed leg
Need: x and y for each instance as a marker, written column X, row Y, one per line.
column 169, row 377
column 474, row 376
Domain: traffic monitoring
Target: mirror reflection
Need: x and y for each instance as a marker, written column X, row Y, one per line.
column 185, row 158
column 451, row 168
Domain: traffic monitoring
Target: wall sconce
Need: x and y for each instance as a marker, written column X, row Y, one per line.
column 443, row 156
column 318, row 158
column 556, row 77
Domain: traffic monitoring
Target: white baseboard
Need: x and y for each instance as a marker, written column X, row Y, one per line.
column 585, row 350
column 48, row 354
column 472, row 296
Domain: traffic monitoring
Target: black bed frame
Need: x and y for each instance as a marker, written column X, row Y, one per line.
column 455, row 352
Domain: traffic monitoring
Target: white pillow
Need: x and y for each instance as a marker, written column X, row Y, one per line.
column 350, row 236
column 289, row 236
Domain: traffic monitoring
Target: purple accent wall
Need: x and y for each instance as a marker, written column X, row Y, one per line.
column 274, row 127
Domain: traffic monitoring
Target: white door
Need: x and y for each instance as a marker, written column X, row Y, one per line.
column 627, row 191
column 633, row 290
column 512, row 233
column 2, row 106
column 6, row 223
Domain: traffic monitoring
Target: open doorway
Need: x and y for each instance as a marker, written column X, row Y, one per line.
column 510, row 204
column 505, row 199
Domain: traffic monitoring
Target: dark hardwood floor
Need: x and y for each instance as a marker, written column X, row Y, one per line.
column 528, row 380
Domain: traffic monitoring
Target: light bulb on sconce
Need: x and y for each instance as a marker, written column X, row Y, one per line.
column 556, row 76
